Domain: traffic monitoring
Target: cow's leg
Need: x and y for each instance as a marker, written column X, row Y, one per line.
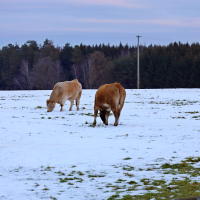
column 78, row 100
column 103, row 116
column 95, row 116
column 61, row 109
column 72, row 102
column 77, row 103
column 116, row 114
column 106, row 117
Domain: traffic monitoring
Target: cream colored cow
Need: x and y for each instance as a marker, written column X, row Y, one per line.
column 63, row 91
column 109, row 97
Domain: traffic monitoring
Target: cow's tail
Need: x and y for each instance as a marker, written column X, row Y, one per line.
column 122, row 96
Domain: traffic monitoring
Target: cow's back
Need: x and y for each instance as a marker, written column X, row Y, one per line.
column 66, row 89
column 71, row 88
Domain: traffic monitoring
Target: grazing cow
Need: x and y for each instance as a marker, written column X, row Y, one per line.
column 63, row 91
column 109, row 97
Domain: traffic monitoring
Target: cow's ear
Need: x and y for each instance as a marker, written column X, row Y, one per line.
column 47, row 101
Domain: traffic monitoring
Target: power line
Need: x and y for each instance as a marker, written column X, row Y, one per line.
column 138, row 64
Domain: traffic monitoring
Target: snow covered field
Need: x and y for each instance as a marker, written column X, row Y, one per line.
column 60, row 155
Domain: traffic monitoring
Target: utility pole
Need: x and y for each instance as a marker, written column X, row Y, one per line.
column 138, row 64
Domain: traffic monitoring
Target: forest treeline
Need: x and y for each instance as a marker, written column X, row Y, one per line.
column 40, row 67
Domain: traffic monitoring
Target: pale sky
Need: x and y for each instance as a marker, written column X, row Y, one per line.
column 91, row 22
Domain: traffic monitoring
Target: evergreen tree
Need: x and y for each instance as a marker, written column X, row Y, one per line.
column 10, row 62
column 66, row 62
column 125, row 71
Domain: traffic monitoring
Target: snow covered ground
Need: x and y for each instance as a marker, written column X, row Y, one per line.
column 60, row 155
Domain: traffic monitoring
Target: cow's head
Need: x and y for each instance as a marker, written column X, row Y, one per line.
column 50, row 105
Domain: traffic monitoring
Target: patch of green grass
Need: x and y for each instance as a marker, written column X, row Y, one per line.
column 38, row 107
column 96, row 175
column 48, row 168
column 79, row 180
column 132, row 182
column 158, row 182
column 92, row 125
column 64, row 180
column 87, row 114
column 115, row 187
column 178, row 166
column 113, row 197
column 183, row 168
column 53, row 198
column 132, row 188
column 45, row 189
column 193, row 160
column 155, row 102
column 178, row 117
column 182, row 187
column 128, row 174
column 128, row 158
column 180, row 103
column 151, row 187
column 80, row 173
column 60, row 173
column 196, row 117
column 193, row 112
column 72, row 173
column 145, row 181
column 175, row 189
column 37, row 185
column 120, row 181
column 128, row 168
column 127, row 197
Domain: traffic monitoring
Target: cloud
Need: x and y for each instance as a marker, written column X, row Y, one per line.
column 49, row 3
column 161, row 22
column 121, row 3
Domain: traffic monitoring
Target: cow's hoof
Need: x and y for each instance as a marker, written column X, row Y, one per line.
column 115, row 124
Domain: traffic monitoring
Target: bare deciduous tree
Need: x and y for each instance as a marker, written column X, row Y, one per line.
column 94, row 70
column 100, row 69
column 45, row 73
column 76, row 72
column 86, row 67
column 22, row 80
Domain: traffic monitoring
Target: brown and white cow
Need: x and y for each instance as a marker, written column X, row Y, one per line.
column 63, row 91
column 109, row 97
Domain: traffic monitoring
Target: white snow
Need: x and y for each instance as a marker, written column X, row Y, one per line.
column 39, row 150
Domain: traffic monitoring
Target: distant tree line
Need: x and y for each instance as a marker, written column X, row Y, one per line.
column 40, row 67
